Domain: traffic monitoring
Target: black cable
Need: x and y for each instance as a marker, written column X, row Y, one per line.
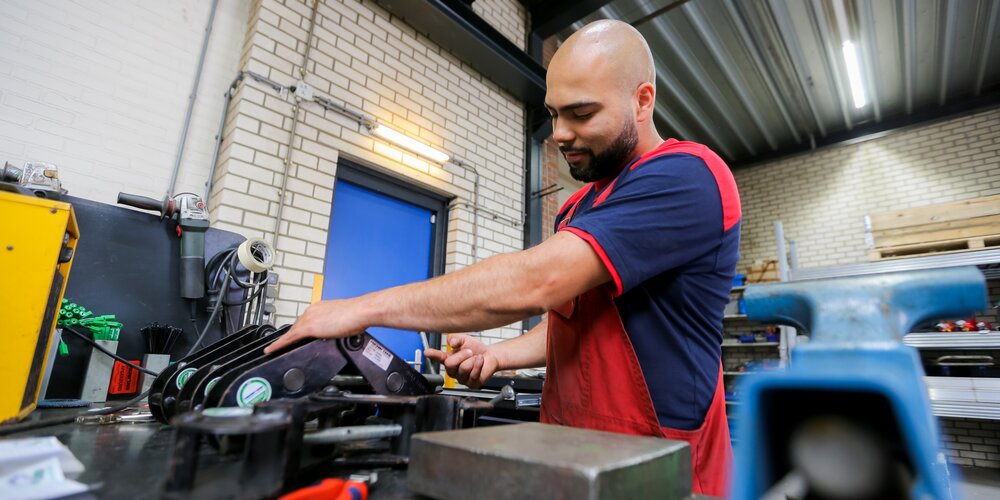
column 101, row 348
column 49, row 422
column 246, row 300
column 211, row 318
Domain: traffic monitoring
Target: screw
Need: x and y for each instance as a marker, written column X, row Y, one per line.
column 53, row 210
column 10, row 247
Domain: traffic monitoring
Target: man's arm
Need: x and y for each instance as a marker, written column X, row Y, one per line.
column 495, row 292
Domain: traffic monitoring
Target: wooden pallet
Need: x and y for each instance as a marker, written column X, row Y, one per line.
column 935, row 229
column 933, row 248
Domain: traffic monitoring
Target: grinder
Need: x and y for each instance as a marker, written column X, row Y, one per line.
column 188, row 210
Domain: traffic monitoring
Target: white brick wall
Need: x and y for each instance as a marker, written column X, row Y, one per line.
column 100, row 88
column 822, row 197
column 374, row 63
column 509, row 18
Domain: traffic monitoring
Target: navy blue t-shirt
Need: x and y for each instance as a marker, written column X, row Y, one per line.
column 668, row 229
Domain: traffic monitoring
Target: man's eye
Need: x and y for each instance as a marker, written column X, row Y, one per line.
column 583, row 116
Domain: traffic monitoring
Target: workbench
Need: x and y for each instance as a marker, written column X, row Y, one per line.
column 129, row 460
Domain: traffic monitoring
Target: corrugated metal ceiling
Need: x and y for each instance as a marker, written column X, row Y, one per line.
column 757, row 78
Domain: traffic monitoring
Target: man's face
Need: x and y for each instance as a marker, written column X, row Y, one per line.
column 592, row 123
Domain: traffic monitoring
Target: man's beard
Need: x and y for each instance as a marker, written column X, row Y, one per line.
column 607, row 162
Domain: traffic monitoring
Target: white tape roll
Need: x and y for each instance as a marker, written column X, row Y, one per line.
column 256, row 255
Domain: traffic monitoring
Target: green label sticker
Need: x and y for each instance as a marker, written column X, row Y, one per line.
column 183, row 377
column 211, row 384
column 253, row 391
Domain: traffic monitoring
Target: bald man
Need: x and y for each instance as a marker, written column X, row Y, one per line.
column 635, row 278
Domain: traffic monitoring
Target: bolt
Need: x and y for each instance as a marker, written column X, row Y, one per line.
column 53, row 210
column 10, row 247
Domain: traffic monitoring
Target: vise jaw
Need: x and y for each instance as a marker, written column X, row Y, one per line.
column 850, row 417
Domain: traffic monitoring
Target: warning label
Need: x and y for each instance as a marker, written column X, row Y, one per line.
column 124, row 378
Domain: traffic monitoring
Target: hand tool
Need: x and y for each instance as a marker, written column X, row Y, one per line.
column 41, row 179
column 330, row 489
column 189, row 212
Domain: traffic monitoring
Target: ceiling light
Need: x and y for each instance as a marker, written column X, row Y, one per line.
column 854, row 74
column 410, row 144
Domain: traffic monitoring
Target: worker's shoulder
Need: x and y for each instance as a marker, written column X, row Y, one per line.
column 695, row 167
column 681, row 153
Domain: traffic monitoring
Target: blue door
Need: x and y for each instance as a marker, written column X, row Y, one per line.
column 377, row 241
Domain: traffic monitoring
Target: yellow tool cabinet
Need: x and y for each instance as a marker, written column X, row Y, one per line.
column 37, row 242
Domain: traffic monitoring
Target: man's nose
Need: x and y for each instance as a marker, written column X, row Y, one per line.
column 561, row 133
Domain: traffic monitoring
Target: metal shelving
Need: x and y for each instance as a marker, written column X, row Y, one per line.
column 987, row 260
column 964, row 397
column 953, row 340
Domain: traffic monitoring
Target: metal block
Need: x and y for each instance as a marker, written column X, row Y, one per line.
column 547, row 461
column 98, row 377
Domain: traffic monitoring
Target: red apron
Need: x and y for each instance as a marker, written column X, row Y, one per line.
column 594, row 381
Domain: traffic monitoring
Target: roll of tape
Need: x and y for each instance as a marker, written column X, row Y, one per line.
column 256, row 255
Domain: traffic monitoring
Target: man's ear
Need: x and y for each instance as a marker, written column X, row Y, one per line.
column 645, row 99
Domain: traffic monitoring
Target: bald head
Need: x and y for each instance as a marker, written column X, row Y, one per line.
column 600, row 93
column 610, row 50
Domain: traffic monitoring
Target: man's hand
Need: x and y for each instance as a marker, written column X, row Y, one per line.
column 471, row 362
column 327, row 319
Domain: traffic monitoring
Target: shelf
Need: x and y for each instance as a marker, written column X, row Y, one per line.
column 735, row 316
column 973, row 258
column 964, row 397
column 749, row 344
column 953, row 340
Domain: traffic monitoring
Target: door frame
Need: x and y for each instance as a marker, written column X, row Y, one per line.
column 368, row 178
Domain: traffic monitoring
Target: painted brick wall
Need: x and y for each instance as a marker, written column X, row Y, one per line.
column 822, row 197
column 100, row 88
column 509, row 18
column 371, row 62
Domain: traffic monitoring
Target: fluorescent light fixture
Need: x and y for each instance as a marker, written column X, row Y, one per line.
column 410, row 144
column 854, row 74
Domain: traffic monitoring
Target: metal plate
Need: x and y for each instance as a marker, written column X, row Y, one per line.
column 547, row 461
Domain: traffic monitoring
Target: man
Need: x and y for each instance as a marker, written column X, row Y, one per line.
column 634, row 280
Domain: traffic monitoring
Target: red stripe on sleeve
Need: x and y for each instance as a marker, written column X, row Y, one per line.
column 599, row 250
column 730, row 195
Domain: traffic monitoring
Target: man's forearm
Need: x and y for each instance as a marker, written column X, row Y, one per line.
column 495, row 292
column 526, row 351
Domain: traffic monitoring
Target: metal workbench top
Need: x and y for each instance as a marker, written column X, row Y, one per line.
column 129, row 460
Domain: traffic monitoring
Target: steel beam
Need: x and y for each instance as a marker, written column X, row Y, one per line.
column 454, row 26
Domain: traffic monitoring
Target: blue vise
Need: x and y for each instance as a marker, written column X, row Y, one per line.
column 850, row 417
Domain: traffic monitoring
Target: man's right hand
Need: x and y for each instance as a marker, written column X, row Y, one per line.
column 470, row 361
